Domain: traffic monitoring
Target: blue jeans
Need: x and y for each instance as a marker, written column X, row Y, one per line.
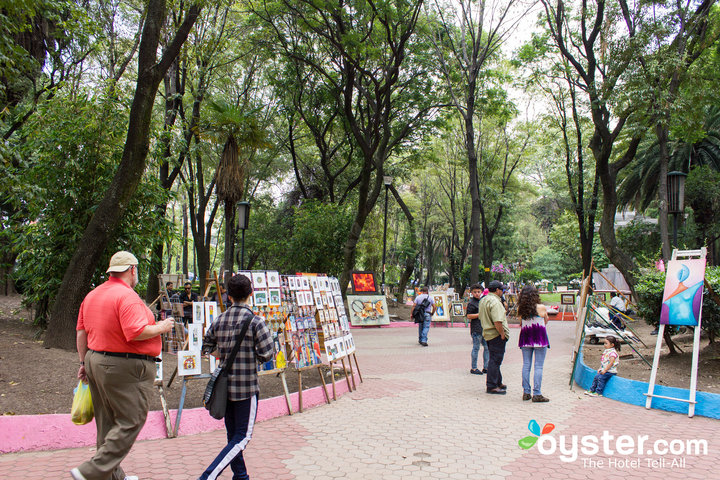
column 527, row 353
column 598, row 384
column 423, row 329
column 239, row 423
column 477, row 339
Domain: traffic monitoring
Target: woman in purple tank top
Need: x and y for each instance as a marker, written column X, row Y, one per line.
column 533, row 341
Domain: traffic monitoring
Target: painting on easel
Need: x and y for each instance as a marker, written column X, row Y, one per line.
column 683, row 293
column 189, row 363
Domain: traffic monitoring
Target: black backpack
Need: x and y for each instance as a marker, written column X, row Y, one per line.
column 419, row 312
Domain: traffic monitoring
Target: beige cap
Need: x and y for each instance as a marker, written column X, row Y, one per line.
column 121, row 261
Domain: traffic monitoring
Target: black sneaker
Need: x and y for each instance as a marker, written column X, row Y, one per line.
column 475, row 371
column 496, row 391
column 424, row 344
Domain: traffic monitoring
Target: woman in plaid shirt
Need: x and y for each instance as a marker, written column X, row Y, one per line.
column 243, row 391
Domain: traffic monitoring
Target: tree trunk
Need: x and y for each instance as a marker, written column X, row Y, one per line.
column 618, row 257
column 185, row 241
column 91, row 247
column 229, row 257
column 475, row 224
column 661, row 132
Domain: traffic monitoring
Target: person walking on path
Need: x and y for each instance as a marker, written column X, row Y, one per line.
column 425, row 303
column 117, row 341
column 496, row 333
column 476, row 331
column 533, row 341
column 243, row 391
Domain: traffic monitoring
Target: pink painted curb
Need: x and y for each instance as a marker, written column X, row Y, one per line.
column 25, row 433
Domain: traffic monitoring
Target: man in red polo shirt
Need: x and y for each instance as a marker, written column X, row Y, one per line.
column 117, row 340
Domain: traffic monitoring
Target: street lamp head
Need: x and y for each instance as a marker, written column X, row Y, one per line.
column 387, row 180
column 676, row 192
column 243, row 215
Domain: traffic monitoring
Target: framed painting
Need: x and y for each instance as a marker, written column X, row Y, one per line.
column 567, row 299
column 189, row 362
column 683, row 294
column 274, row 297
column 458, row 309
column 442, row 312
column 159, row 369
column 363, row 283
column 195, row 336
column 368, row 310
column 211, row 312
column 259, row 280
column 198, row 312
column 260, row 298
column 273, row 279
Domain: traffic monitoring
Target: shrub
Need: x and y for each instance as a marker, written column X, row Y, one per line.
column 649, row 290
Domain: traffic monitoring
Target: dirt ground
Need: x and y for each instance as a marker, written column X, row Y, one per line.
column 673, row 371
column 35, row 380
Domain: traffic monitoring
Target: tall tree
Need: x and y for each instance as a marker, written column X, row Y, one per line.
column 469, row 39
column 367, row 60
column 90, row 248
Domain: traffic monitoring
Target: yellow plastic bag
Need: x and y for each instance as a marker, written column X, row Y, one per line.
column 82, row 407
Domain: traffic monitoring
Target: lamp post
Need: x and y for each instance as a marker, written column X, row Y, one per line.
column 676, row 198
column 243, row 218
column 387, row 181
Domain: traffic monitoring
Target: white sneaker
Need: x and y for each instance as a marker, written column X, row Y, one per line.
column 77, row 475
column 132, row 477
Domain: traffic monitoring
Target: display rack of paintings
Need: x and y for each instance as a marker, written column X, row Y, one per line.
column 367, row 310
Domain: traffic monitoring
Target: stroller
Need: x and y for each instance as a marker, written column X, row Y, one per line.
column 607, row 324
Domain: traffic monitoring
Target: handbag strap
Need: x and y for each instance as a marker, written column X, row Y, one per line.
column 231, row 358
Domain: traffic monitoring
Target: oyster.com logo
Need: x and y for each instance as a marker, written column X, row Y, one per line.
column 528, row 442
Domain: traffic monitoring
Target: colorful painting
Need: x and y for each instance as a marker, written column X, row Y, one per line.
column 260, row 298
column 363, row 282
column 274, row 297
column 319, row 300
column 211, row 312
column 567, row 299
column 683, row 296
column 273, row 279
column 304, row 283
column 368, row 310
column 441, row 306
column 189, row 362
column 458, row 309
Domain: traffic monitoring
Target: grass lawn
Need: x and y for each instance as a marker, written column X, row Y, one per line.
column 550, row 298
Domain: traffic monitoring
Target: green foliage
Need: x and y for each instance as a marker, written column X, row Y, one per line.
column 306, row 238
column 649, row 290
column 547, row 262
column 641, row 240
column 528, row 275
column 72, row 151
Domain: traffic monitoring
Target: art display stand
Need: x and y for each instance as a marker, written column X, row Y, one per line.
column 671, row 310
column 209, row 281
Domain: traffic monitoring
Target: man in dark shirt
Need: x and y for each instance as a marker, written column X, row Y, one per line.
column 476, row 331
column 187, row 297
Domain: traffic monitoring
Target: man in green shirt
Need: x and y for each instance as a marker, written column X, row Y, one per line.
column 496, row 333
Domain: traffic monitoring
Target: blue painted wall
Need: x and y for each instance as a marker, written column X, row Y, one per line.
column 631, row 391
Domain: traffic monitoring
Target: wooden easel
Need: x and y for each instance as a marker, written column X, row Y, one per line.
column 208, row 283
column 166, row 412
column 686, row 254
column 300, row 389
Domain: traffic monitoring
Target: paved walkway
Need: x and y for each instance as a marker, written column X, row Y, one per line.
column 420, row 414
